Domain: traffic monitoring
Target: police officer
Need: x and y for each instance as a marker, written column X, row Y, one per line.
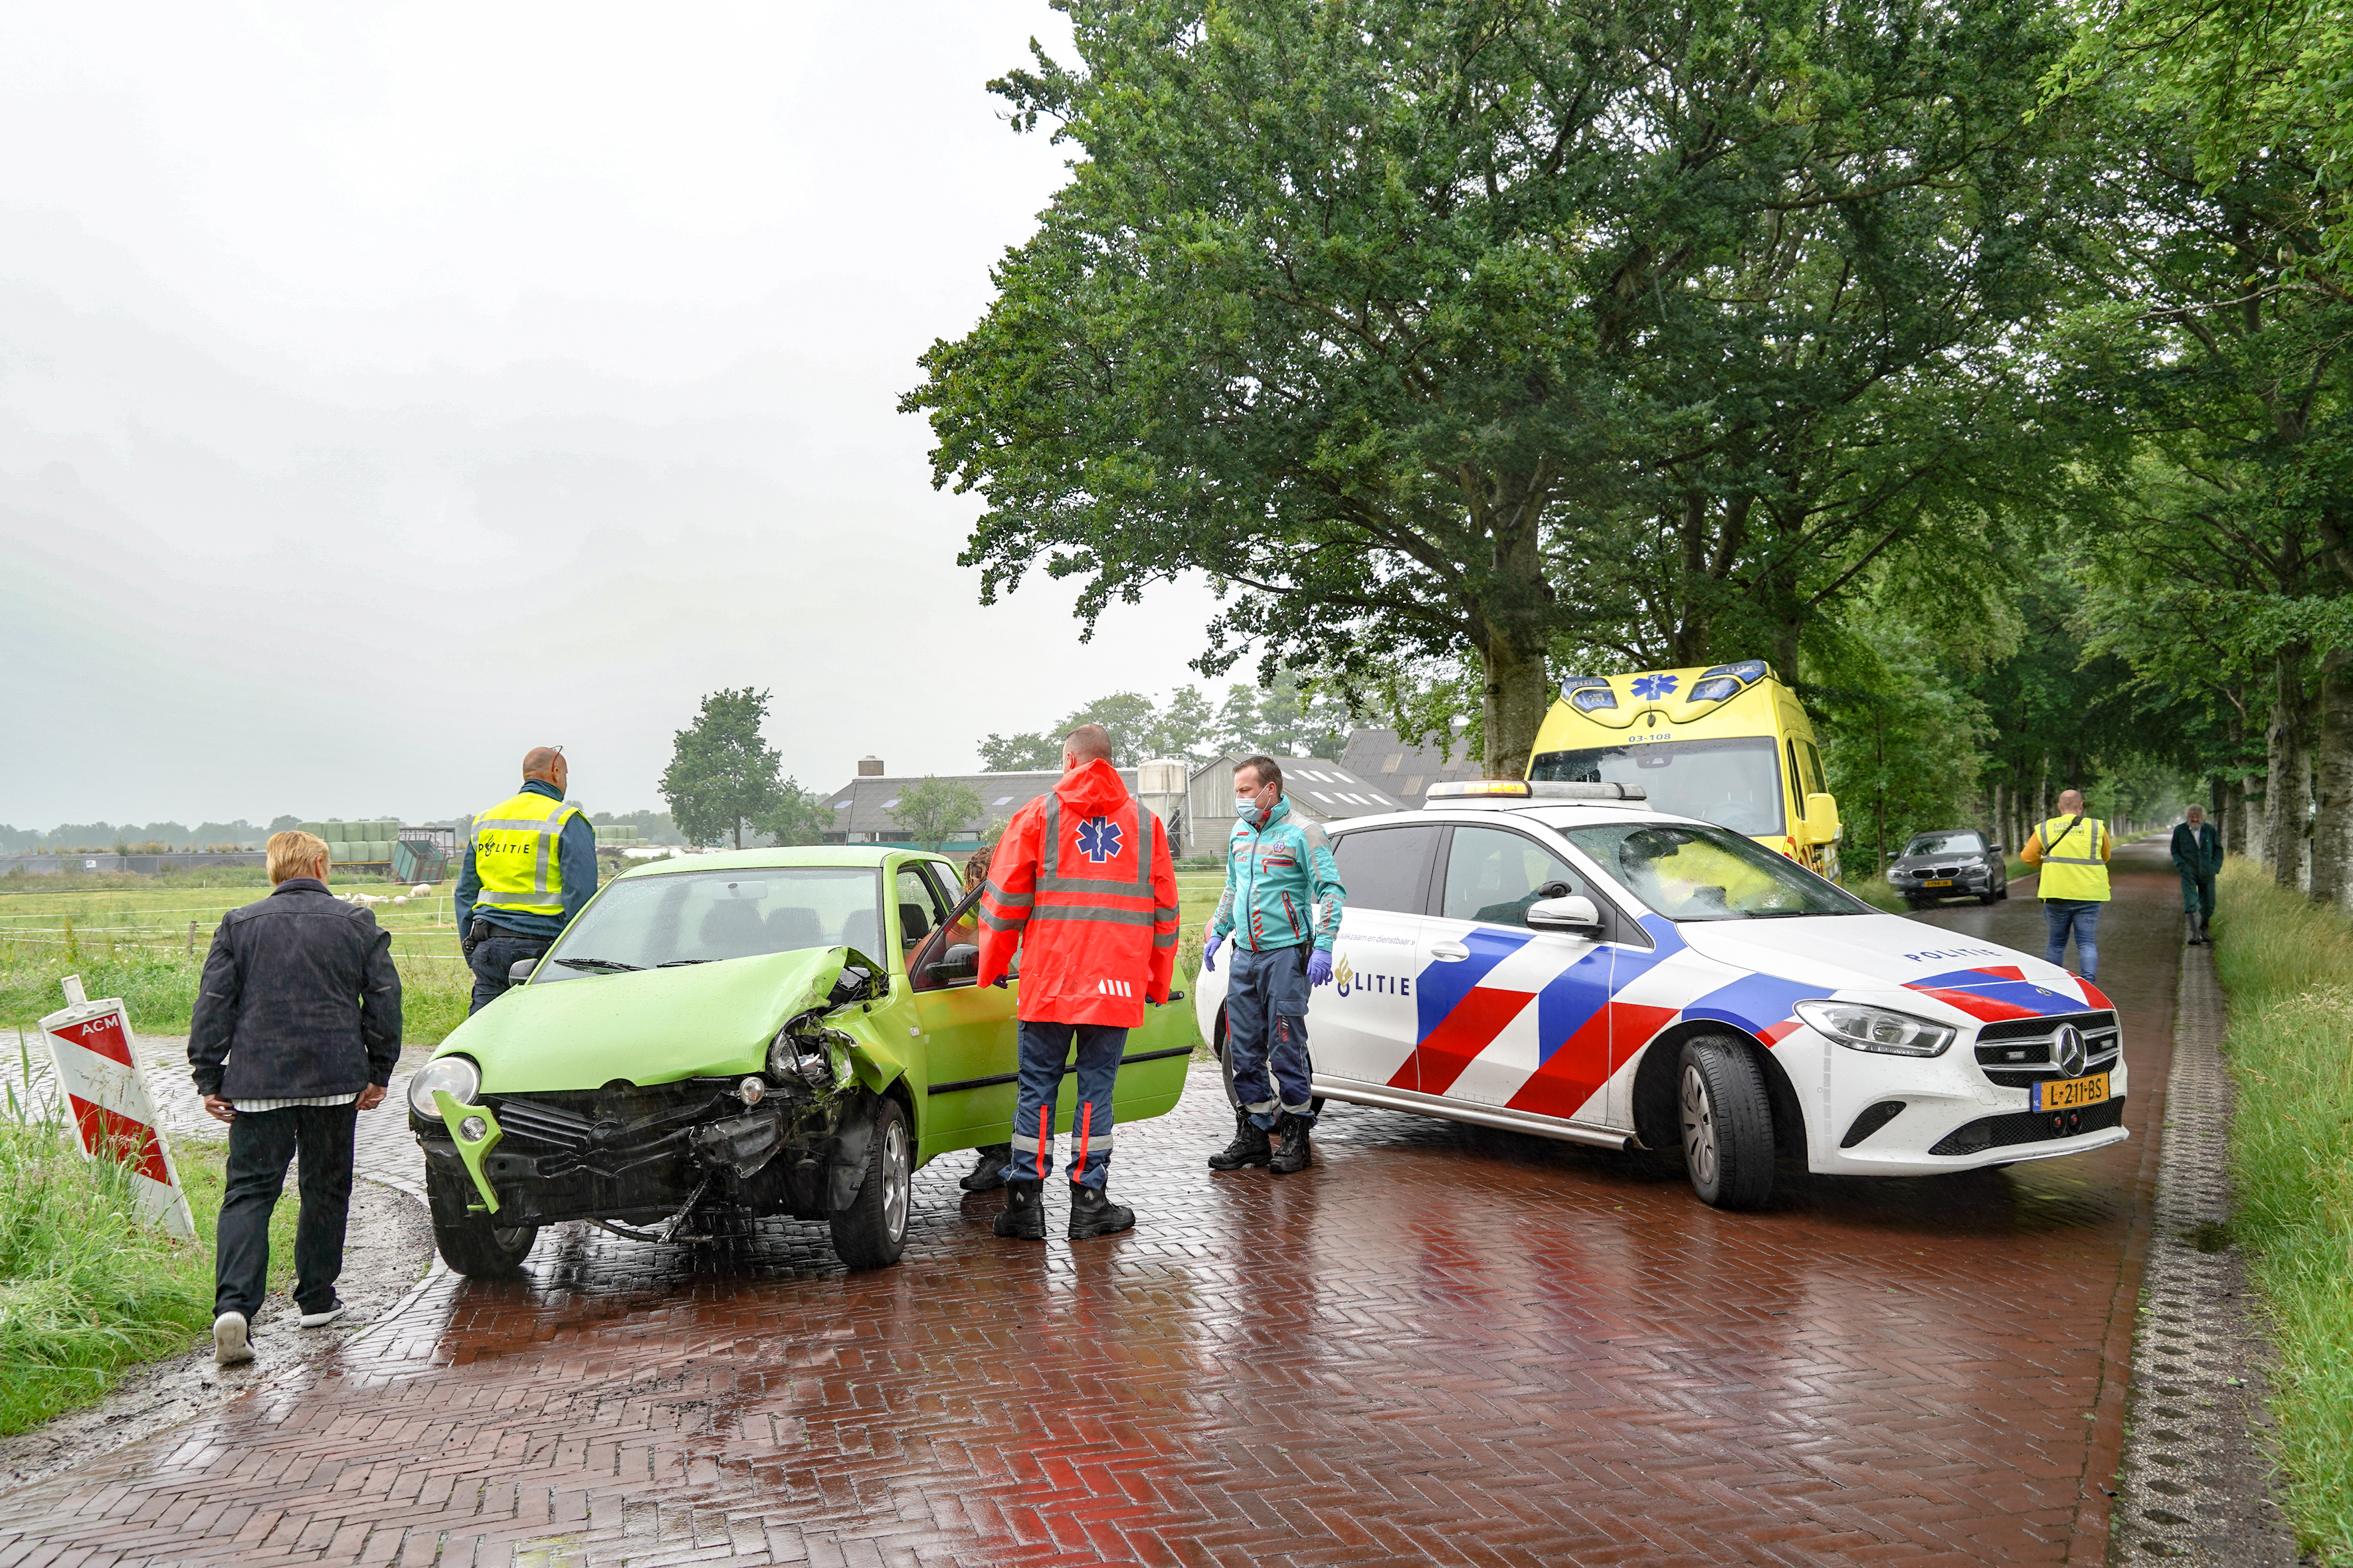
column 529, row 866
column 1278, row 867
column 2073, row 850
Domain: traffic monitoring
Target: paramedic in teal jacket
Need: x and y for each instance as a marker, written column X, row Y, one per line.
column 1282, row 907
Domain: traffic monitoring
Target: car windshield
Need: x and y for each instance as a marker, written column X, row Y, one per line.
column 1693, row 873
column 1734, row 782
column 1943, row 844
column 698, row 917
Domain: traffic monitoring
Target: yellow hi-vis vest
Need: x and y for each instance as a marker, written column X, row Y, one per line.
column 2073, row 867
column 515, row 855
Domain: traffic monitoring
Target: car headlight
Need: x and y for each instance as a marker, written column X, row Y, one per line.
column 1878, row 1029
column 459, row 1074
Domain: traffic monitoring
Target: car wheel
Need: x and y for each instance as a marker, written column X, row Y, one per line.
column 1988, row 896
column 1226, row 1068
column 2001, row 894
column 1726, row 1124
column 478, row 1246
column 1915, row 905
column 872, row 1231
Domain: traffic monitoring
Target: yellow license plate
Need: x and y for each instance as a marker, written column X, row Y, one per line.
column 1937, row 882
column 2070, row 1093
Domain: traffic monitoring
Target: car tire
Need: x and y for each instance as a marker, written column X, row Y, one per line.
column 1915, row 905
column 1725, row 1121
column 1990, row 896
column 872, row 1231
column 1226, row 1070
column 478, row 1247
column 2001, row 894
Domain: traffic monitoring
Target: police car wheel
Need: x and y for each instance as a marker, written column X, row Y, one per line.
column 1226, row 1070
column 872, row 1231
column 1726, row 1124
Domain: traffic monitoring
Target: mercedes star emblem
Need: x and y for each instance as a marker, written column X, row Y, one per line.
column 2069, row 1052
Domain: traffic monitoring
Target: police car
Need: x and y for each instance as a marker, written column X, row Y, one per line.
column 1562, row 960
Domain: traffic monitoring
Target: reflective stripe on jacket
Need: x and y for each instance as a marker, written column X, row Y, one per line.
column 514, row 846
column 1282, row 886
column 2073, row 867
column 1083, row 887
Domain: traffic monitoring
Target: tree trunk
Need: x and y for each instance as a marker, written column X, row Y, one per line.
column 1514, row 698
column 2287, row 795
column 2332, row 824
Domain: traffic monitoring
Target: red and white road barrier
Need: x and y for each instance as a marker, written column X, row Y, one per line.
column 99, row 1074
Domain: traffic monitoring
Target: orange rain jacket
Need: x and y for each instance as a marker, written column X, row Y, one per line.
column 1082, row 884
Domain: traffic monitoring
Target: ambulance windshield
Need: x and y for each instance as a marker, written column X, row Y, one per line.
column 1734, row 780
column 1688, row 873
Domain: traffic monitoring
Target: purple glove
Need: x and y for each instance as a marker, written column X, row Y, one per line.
column 1319, row 968
column 1209, row 954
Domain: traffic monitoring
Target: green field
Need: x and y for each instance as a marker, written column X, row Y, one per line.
column 145, row 942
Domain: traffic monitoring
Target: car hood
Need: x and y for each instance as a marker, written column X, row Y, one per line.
column 656, row 1026
column 1921, row 862
column 1860, row 954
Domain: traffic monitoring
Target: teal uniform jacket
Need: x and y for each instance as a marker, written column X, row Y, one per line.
column 1282, row 886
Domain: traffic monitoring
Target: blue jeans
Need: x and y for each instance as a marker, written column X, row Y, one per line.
column 1045, row 1051
column 1266, row 1033
column 2084, row 916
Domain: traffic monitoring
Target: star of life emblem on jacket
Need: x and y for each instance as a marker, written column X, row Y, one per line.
column 1099, row 839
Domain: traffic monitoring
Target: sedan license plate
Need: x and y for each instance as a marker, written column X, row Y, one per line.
column 2070, row 1093
column 1937, row 882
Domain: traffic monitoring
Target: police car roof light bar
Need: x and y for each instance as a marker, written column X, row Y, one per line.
column 1532, row 791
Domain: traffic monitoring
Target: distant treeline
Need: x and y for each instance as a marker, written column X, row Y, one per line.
column 654, row 825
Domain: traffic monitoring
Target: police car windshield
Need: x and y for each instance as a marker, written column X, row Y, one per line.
column 695, row 917
column 1733, row 781
column 1687, row 872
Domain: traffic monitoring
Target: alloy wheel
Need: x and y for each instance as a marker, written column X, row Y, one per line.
column 509, row 1236
column 896, row 1179
column 1699, row 1128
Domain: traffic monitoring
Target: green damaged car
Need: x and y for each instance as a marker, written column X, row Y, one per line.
column 722, row 1038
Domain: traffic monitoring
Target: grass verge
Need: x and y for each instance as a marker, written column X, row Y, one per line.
column 86, row 1291
column 2288, row 964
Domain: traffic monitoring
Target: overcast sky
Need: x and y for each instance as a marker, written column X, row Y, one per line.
column 385, row 390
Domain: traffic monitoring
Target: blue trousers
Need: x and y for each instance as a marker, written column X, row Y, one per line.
column 1266, row 1032
column 1045, row 1053
column 2084, row 916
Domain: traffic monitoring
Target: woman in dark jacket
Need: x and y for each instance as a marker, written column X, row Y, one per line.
column 296, row 1031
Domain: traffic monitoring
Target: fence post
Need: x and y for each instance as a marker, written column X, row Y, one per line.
column 191, row 939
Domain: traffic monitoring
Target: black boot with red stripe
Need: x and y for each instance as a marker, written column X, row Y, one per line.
column 1094, row 1215
column 1023, row 1218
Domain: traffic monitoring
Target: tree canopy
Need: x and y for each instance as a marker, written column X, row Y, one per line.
column 722, row 774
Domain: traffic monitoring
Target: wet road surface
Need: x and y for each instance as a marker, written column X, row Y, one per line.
column 1443, row 1344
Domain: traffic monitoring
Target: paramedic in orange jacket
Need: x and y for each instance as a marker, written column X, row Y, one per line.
column 1082, row 885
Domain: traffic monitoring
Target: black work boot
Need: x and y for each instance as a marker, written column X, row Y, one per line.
column 1092, row 1214
column 1023, row 1218
column 1248, row 1147
column 1292, row 1158
column 989, row 1171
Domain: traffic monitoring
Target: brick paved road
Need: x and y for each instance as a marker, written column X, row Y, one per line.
column 1456, row 1346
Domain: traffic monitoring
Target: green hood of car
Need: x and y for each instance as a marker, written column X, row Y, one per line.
column 656, row 1026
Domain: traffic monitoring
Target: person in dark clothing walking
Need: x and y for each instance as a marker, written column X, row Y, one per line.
column 530, row 867
column 296, row 1031
column 2197, row 856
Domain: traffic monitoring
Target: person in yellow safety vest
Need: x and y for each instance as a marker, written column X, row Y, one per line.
column 2072, row 851
column 530, row 867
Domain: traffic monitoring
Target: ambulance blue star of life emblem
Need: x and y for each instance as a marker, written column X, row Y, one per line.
column 1099, row 839
column 1650, row 688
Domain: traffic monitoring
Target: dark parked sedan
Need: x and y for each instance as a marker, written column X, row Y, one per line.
column 1950, row 863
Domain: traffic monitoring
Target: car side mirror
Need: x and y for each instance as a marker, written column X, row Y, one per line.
column 1573, row 913
column 1822, row 818
column 1892, row 855
column 520, row 970
column 961, row 962
column 1998, row 849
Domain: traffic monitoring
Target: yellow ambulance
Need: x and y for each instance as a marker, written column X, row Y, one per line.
column 1727, row 744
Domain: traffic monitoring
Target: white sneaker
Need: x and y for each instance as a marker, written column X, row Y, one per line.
column 229, row 1345
column 321, row 1320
